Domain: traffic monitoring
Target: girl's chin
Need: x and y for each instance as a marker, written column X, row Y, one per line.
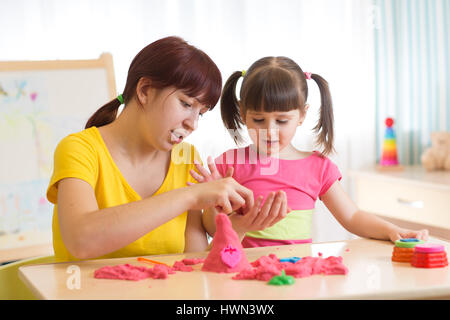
column 266, row 150
column 269, row 152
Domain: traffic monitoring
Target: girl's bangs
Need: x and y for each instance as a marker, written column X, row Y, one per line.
column 272, row 90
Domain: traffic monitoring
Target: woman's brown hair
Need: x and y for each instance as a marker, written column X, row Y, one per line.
column 276, row 84
column 170, row 61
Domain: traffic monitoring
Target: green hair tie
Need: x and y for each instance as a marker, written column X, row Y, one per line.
column 243, row 72
column 120, row 98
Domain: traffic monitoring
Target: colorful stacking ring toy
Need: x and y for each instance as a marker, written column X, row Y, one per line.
column 429, row 256
column 404, row 249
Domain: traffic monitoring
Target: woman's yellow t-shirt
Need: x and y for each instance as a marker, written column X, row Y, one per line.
column 84, row 155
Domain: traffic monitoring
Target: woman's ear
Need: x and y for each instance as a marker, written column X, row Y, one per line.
column 143, row 90
column 303, row 114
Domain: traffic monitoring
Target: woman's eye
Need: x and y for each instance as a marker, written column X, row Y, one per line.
column 185, row 104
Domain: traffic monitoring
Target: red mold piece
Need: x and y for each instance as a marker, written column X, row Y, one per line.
column 402, row 254
column 432, row 258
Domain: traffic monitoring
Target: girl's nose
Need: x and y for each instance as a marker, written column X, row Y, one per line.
column 271, row 130
column 270, row 134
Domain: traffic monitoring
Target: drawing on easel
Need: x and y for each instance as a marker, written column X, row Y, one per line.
column 40, row 103
column 25, row 136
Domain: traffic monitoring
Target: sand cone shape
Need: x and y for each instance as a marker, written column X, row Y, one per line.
column 227, row 254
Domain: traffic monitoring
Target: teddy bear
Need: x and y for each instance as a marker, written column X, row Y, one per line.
column 437, row 157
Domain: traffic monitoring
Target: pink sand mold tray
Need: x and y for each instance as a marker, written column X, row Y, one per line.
column 429, row 255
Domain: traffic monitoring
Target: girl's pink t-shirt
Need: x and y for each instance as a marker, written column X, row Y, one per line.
column 303, row 180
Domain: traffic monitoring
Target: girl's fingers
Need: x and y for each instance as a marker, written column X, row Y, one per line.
column 190, row 183
column 252, row 214
column 229, row 172
column 274, row 210
column 281, row 214
column 265, row 209
column 284, row 208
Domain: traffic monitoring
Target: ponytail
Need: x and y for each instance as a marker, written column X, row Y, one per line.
column 105, row 115
column 229, row 106
column 325, row 126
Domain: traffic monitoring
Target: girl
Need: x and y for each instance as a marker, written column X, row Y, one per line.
column 119, row 185
column 273, row 103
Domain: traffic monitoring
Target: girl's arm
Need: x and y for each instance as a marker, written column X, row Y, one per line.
column 362, row 223
column 195, row 234
column 90, row 232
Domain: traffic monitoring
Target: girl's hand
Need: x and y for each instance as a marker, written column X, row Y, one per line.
column 399, row 233
column 261, row 216
column 225, row 194
column 205, row 176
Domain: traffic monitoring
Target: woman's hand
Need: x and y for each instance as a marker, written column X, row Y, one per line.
column 261, row 216
column 400, row 233
column 224, row 194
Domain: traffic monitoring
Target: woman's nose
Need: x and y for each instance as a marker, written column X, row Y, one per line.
column 192, row 122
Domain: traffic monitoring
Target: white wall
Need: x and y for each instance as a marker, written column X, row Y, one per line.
column 332, row 38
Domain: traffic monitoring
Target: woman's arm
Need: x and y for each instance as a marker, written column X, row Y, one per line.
column 362, row 223
column 90, row 232
column 209, row 220
column 195, row 234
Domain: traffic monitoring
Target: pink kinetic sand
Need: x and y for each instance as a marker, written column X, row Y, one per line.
column 130, row 272
column 267, row 267
column 180, row 266
column 226, row 254
column 193, row 261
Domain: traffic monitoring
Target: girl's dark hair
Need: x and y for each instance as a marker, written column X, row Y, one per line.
column 275, row 84
column 167, row 62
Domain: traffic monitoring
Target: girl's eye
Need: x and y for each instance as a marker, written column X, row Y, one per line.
column 282, row 121
column 258, row 120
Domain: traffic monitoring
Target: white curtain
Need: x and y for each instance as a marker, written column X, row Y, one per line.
column 332, row 38
column 412, row 54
